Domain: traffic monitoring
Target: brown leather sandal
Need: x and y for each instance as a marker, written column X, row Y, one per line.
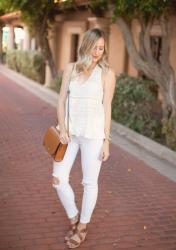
column 77, row 238
column 73, row 227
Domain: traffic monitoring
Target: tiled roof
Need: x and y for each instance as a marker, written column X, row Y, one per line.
column 10, row 16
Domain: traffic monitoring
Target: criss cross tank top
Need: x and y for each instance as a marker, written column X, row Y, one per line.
column 86, row 110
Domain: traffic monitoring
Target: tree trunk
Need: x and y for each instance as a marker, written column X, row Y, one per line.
column 169, row 101
column 42, row 36
column 168, row 94
column 161, row 72
column 44, row 45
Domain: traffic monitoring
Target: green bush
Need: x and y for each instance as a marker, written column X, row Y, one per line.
column 56, row 84
column 135, row 105
column 29, row 63
column 169, row 130
column 11, row 59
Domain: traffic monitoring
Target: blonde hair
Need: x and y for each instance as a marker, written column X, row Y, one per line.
column 84, row 58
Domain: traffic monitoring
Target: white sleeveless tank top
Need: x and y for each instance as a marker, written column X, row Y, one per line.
column 86, row 110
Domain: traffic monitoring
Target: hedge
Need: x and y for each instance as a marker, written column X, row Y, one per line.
column 28, row 63
column 136, row 106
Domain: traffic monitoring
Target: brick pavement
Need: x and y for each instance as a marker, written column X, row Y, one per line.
column 136, row 208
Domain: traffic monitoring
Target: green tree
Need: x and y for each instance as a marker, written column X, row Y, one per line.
column 38, row 15
column 147, row 12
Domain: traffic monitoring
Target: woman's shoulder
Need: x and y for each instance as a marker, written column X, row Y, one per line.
column 109, row 73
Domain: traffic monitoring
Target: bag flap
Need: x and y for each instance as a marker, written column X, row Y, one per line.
column 51, row 140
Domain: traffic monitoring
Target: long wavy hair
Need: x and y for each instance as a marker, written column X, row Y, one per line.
column 84, row 53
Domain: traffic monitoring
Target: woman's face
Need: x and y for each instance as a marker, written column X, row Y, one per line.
column 98, row 50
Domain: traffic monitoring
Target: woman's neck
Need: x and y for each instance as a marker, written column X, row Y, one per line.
column 92, row 66
column 90, row 69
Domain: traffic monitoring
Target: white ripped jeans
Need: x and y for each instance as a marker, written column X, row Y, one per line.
column 91, row 164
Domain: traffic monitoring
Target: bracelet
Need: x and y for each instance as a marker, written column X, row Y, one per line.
column 107, row 138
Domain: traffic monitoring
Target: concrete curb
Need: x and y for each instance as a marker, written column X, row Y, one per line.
column 154, row 148
column 121, row 135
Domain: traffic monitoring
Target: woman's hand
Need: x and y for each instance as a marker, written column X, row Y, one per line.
column 105, row 150
column 64, row 136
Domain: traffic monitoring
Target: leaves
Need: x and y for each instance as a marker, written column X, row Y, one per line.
column 135, row 8
column 98, row 7
column 169, row 130
column 33, row 12
column 29, row 63
column 133, row 105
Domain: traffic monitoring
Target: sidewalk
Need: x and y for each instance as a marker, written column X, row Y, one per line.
column 136, row 208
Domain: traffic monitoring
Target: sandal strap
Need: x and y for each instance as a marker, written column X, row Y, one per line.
column 75, row 242
column 84, row 230
column 80, row 232
column 79, row 236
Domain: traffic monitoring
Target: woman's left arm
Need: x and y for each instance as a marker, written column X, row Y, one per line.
column 109, row 81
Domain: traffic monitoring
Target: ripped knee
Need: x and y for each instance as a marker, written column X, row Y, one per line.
column 55, row 181
column 59, row 182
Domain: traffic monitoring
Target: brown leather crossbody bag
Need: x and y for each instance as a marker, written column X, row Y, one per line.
column 51, row 140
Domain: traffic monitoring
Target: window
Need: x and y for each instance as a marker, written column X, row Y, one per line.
column 126, row 61
column 156, row 44
column 74, row 47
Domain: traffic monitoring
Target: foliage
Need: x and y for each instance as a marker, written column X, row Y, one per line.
column 134, row 105
column 142, row 57
column 99, row 7
column 56, row 84
column 145, row 8
column 11, row 59
column 29, row 63
column 37, row 15
column 169, row 130
column 33, row 12
column 4, row 7
column 63, row 5
column 134, row 9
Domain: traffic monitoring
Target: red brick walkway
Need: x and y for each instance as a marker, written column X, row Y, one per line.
column 136, row 209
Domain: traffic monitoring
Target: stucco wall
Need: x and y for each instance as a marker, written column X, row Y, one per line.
column 78, row 23
column 64, row 40
column 116, row 50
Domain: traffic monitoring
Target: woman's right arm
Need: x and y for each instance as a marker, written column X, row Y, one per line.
column 61, row 104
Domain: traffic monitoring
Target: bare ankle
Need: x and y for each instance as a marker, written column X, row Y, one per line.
column 74, row 219
column 82, row 225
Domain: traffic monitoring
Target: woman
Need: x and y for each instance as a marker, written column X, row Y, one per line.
column 91, row 89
